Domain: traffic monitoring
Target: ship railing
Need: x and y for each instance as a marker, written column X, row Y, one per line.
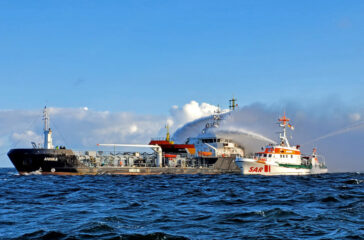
column 159, row 139
column 111, row 153
column 321, row 159
column 115, row 158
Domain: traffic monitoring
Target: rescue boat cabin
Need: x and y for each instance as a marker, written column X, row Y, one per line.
column 287, row 154
column 282, row 152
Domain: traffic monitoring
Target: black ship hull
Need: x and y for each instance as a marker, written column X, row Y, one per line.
column 43, row 160
column 66, row 162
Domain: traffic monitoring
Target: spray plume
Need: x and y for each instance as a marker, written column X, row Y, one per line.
column 230, row 128
column 338, row 132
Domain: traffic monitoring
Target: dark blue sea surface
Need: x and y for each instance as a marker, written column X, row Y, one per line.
column 329, row 206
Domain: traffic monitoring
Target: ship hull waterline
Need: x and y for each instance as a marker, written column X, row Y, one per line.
column 65, row 162
column 257, row 168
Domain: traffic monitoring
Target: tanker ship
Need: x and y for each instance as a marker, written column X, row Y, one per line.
column 205, row 155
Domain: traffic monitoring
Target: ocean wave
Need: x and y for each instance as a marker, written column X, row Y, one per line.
column 353, row 181
column 42, row 235
column 181, row 207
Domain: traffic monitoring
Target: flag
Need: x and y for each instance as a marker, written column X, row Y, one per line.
column 290, row 126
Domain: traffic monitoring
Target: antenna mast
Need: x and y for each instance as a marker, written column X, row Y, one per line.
column 284, row 139
column 45, row 118
column 48, row 143
column 233, row 104
column 168, row 137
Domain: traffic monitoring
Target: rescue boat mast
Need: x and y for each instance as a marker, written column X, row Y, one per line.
column 283, row 135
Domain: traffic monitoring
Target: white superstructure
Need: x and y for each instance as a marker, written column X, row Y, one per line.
column 282, row 158
column 48, row 142
column 210, row 143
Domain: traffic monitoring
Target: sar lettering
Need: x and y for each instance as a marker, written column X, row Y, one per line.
column 256, row 169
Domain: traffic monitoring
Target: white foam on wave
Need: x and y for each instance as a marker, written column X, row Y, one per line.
column 34, row 173
column 13, row 173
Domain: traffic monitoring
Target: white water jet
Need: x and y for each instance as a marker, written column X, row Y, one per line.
column 338, row 132
column 248, row 140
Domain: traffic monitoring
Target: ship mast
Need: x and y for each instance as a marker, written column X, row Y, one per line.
column 233, row 104
column 216, row 118
column 284, row 123
column 168, row 136
column 48, row 143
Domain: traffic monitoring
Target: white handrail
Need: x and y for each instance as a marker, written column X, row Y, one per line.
column 156, row 148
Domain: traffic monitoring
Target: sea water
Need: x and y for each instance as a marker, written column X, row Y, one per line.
column 329, row 206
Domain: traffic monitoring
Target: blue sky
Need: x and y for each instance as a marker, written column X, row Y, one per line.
column 144, row 56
